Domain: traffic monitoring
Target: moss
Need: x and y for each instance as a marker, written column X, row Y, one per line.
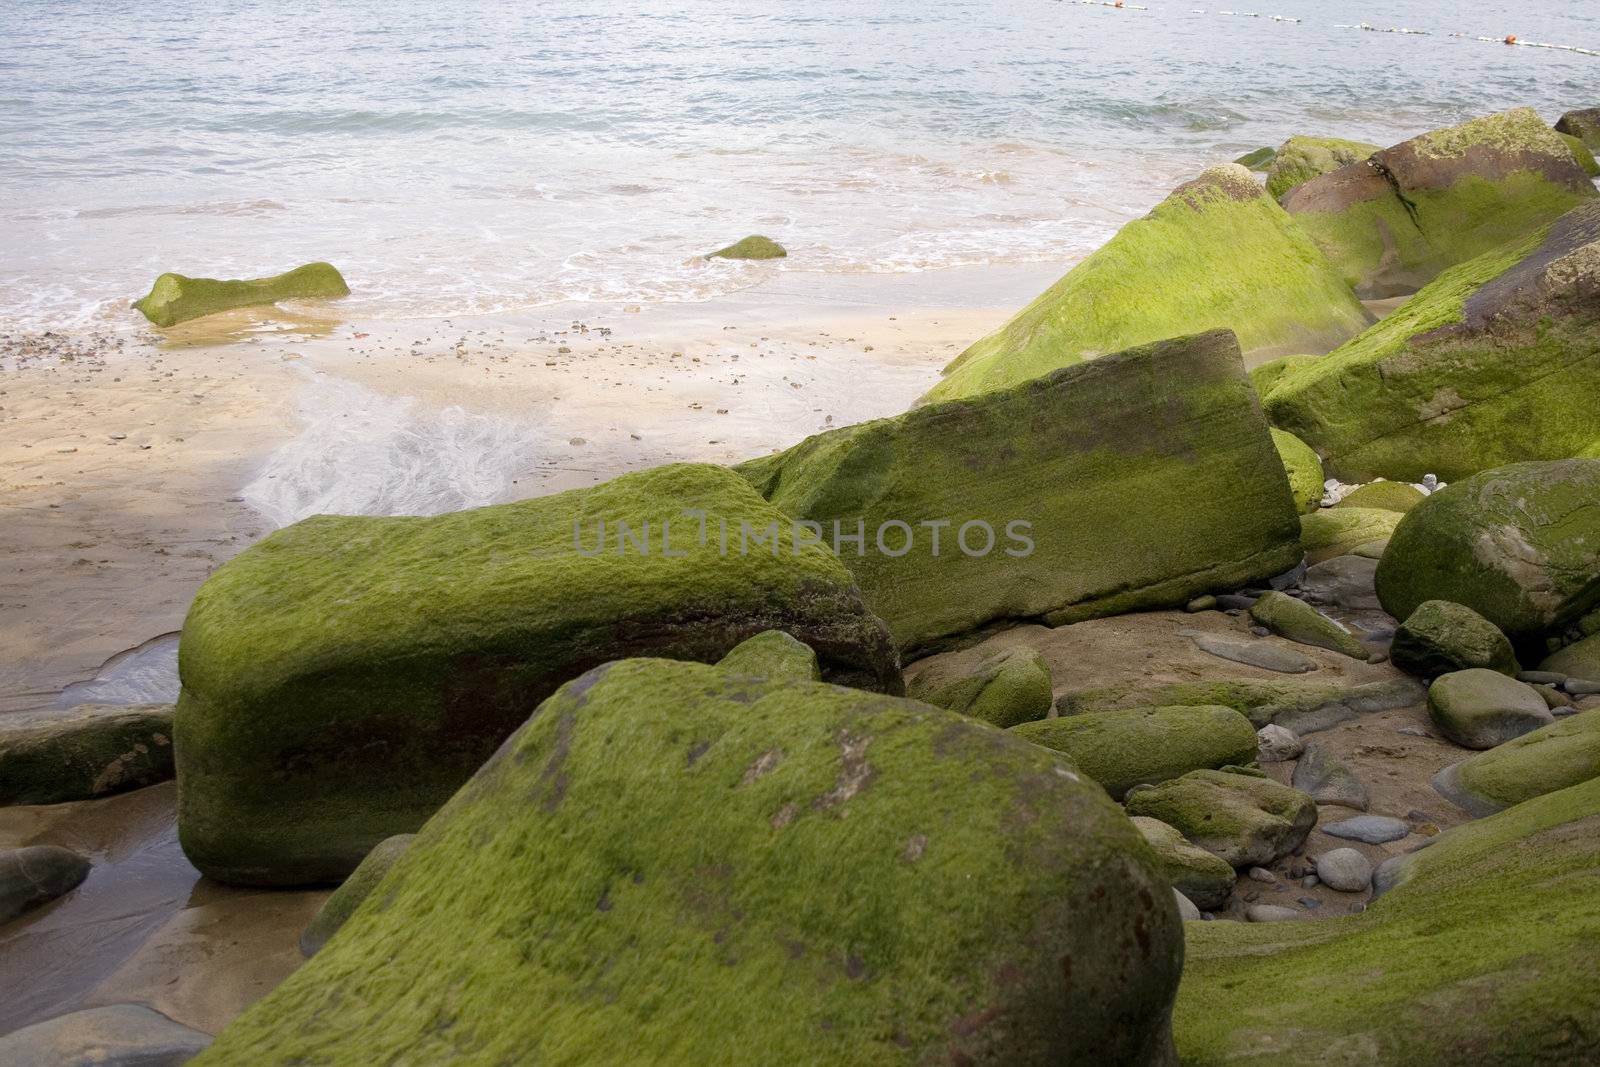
column 1520, row 545
column 1139, row 480
column 1388, row 496
column 1261, row 702
column 175, row 298
column 1340, row 531
column 1273, row 371
column 345, row 675
column 1581, row 659
column 1298, row 621
column 1584, row 124
column 1484, row 953
column 753, row 247
column 337, row 909
column 1206, row 880
column 1424, row 391
column 1303, row 158
column 1441, row 636
column 1143, row 746
column 671, row 864
column 1244, row 819
column 1258, row 159
column 1553, row 757
column 51, row 757
column 1304, row 468
column 773, row 654
column 1581, row 153
column 1010, row 688
column 1216, row 253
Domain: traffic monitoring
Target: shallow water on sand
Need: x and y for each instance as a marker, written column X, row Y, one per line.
column 487, row 155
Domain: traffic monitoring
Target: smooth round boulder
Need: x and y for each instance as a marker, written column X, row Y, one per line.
column 51, row 757
column 1440, row 637
column 1480, row 708
column 1345, row 870
column 1520, row 545
column 1581, row 659
column 34, row 876
column 119, row 1035
column 1330, row 532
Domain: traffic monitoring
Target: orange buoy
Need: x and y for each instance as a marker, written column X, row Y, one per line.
column 1511, row 38
column 1117, row 4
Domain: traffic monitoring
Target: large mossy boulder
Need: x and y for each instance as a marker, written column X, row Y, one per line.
column 344, row 676
column 1303, row 158
column 1143, row 746
column 673, row 864
column 1008, row 688
column 1135, row 481
column 1481, row 950
column 50, row 757
column 1304, row 468
column 1246, row 820
column 1440, row 637
column 1217, row 253
column 176, row 298
column 1552, row 757
column 1519, row 545
column 1331, row 532
column 1495, row 361
column 1393, row 221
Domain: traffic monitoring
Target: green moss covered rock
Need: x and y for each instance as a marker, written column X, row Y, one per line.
column 1482, row 953
column 753, row 247
column 1257, row 159
column 1217, row 253
column 49, row 757
column 1261, row 702
column 176, row 298
column 773, row 654
column 1496, row 360
column 1583, row 155
column 1298, row 621
column 1206, row 880
column 1480, row 708
column 1304, row 468
column 1270, row 373
column 1135, row 481
column 1393, row 222
column 337, row 909
column 1143, row 746
column 673, row 864
column 1565, row 753
column 1519, row 545
column 1581, row 659
column 1441, row 636
column 1584, row 124
column 345, row 675
column 1245, row 820
column 1333, row 532
column 1303, row 158
column 1390, row 496
column 1006, row 689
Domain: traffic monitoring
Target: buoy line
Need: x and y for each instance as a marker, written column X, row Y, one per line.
column 1366, row 27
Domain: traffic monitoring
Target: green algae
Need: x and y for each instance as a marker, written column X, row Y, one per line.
column 1483, row 953
column 342, row 677
column 1333, row 532
column 1581, row 153
column 753, row 247
column 1303, row 158
column 1270, row 373
column 338, row 908
column 1143, row 746
column 1205, row 879
column 1298, row 621
column 175, row 298
column 1242, row 817
column 1304, row 468
column 1006, row 689
column 1565, row 753
column 1581, row 659
column 1217, row 253
column 1389, row 496
column 1441, row 636
column 773, row 654
column 1138, row 480
column 672, row 864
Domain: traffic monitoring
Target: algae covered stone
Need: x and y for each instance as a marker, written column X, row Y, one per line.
column 1552, row 757
column 1441, row 636
column 1331, row 532
column 1304, row 468
column 1270, row 373
column 1143, row 746
column 337, row 909
column 1300, row 622
column 1391, row 223
column 345, row 675
column 1480, row 950
column 1520, row 545
column 773, row 654
column 672, row 864
column 1245, row 820
column 1303, row 158
column 1496, row 361
column 1262, row 702
column 1135, row 481
column 1257, row 159
column 1006, row 689
column 753, row 247
column 1581, row 659
column 1582, row 123
column 1203, row 878
column 49, row 757
column 1583, row 155
column 1217, row 253
column 176, row 298
column 1390, row 496
column 1480, row 708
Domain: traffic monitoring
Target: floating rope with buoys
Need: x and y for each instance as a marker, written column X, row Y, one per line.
column 1508, row 39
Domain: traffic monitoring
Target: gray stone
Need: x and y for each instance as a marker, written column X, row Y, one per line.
column 1345, row 869
column 1261, row 874
column 1275, row 744
column 121, row 1035
column 1186, row 908
column 1344, row 582
column 1541, row 677
column 1271, row 913
column 1361, row 700
column 1234, row 601
column 1371, row 549
column 1369, row 829
column 1253, row 653
column 1581, row 687
column 1327, row 780
column 36, row 875
column 1480, row 708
